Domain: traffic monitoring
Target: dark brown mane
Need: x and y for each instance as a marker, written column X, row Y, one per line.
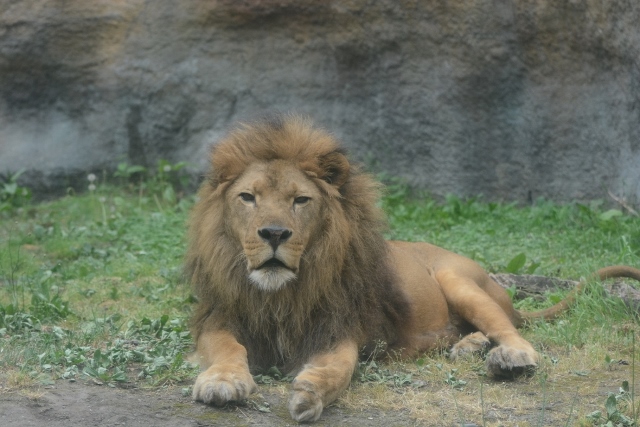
column 345, row 284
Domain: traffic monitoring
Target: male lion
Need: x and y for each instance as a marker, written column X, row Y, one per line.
column 288, row 262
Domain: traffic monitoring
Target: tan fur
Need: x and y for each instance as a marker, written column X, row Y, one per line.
column 290, row 268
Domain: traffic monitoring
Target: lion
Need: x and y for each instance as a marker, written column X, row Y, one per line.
column 290, row 268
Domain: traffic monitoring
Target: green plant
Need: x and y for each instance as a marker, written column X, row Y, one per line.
column 168, row 181
column 613, row 417
column 164, row 184
column 271, row 375
column 370, row 370
column 517, row 263
column 15, row 321
column 542, row 378
column 452, row 379
column 12, row 195
column 48, row 305
column 125, row 172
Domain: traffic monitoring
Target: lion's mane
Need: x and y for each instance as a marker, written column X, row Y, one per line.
column 345, row 286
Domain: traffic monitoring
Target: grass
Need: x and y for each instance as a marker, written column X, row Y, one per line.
column 91, row 289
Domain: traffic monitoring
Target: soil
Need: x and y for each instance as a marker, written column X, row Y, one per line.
column 85, row 404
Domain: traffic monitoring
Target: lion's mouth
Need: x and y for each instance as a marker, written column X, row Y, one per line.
column 272, row 263
column 272, row 275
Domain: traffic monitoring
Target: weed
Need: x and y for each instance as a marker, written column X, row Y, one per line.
column 126, row 172
column 12, row 195
column 272, row 375
column 614, row 405
column 164, row 185
column 452, row 379
column 370, row 370
column 373, row 372
column 517, row 263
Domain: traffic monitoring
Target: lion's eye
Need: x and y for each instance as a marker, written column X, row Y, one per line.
column 247, row 197
column 301, row 200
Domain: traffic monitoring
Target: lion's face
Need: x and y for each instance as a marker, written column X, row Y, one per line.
column 274, row 211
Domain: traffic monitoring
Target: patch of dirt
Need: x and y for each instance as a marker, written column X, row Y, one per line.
column 84, row 404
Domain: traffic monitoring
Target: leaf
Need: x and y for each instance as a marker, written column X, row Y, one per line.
column 610, row 214
column 611, row 406
column 516, row 263
column 135, row 169
column 274, row 372
column 262, row 407
column 45, row 379
column 594, row 416
column 625, row 386
column 555, row 298
column 532, row 267
column 169, row 195
column 88, row 370
column 11, row 188
column 119, row 375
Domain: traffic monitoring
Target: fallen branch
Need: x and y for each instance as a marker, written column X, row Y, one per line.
column 622, row 202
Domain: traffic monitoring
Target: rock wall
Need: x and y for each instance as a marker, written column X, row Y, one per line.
column 514, row 100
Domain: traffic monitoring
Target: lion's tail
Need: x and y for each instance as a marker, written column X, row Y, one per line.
column 603, row 274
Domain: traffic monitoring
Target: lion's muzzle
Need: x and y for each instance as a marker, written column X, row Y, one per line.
column 275, row 235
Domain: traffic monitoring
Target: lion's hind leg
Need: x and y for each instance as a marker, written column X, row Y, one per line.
column 513, row 355
column 475, row 343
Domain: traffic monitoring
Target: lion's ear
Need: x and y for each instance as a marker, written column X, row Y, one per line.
column 213, row 179
column 334, row 168
column 216, row 179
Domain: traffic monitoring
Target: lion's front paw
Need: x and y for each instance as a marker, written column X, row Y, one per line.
column 220, row 384
column 304, row 404
column 510, row 362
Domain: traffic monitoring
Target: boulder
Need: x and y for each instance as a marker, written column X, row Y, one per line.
column 511, row 100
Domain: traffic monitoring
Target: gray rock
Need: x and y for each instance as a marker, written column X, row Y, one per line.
column 513, row 100
column 536, row 286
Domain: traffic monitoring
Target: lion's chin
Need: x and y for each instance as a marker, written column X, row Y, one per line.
column 271, row 279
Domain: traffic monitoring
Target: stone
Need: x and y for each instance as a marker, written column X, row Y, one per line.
column 510, row 100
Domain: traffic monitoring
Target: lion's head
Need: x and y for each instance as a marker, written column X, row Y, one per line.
column 285, row 243
column 275, row 210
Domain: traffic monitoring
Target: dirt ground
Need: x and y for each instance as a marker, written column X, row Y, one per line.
column 84, row 404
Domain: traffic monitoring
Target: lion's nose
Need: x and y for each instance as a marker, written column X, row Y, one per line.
column 275, row 235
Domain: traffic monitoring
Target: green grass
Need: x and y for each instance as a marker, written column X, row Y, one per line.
column 91, row 288
column 561, row 240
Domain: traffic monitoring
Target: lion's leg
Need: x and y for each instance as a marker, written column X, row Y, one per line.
column 513, row 355
column 227, row 375
column 474, row 343
column 321, row 381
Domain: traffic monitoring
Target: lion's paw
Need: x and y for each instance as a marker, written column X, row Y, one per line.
column 476, row 342
column 304, row 404
column 510, row 362
column 218, row 385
